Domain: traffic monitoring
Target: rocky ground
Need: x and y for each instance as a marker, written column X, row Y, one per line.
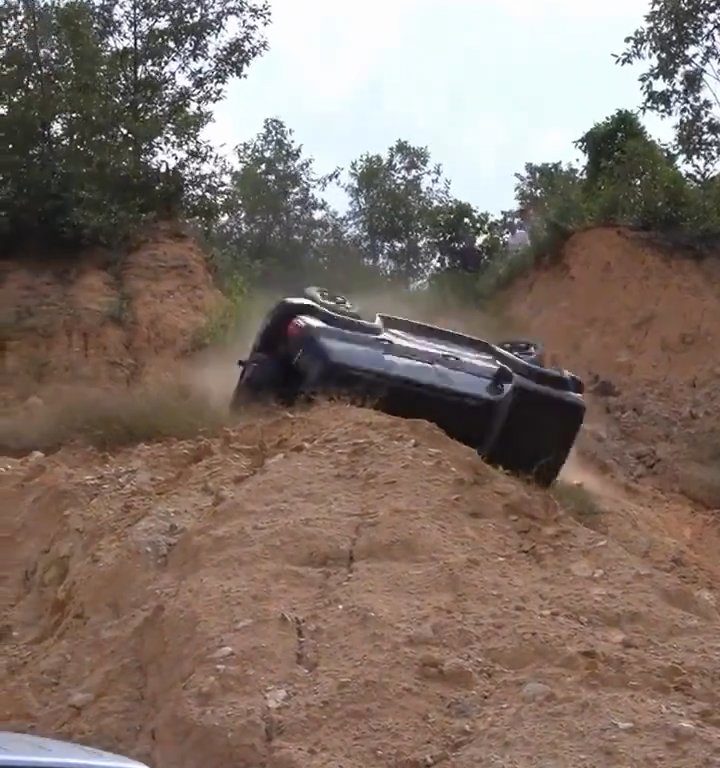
column 336, row 587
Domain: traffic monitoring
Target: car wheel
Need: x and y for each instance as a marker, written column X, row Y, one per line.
column 531, row 352
column 337, row 303
column 261, row 376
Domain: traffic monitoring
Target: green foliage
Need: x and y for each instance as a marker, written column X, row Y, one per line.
column 338, row 261
column 224, row 320
column 403, row 218
column 462, row 238
column 401, row 225
column 703, row 216
column 642, row 188
column 607, row 141
column 392, row 202
column 276, row 221
column 556, row 203
column 551, row 190
column 105, row 104
column 680, row 45
column 627, row 179
column 501, row 272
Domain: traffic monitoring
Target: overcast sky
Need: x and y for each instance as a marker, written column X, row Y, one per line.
column 486, row 85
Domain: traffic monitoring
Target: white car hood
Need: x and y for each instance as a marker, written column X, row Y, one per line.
column 21, row 750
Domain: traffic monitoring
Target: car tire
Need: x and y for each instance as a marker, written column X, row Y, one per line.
column 337, row 303
column 531, row 352
column 261, row 376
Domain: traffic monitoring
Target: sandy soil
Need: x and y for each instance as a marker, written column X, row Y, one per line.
column 642, row 326
column 618, row 307
column 334, row 587
column 337, row 587
column 101, row 320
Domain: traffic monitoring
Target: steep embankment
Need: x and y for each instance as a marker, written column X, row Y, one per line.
column 642, row 325
column 100, row 318
column 336, row 587
column 342, row 588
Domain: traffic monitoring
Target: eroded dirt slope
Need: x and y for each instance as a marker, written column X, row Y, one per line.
column 642, row 326
column 337, row 587
column 622, row 308
column 101, row 318
column 334, row 587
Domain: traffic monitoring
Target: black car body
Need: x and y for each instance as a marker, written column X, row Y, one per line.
column 516, row 413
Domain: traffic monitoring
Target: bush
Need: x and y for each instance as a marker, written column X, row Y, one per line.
column 502, row 272
column 641, row 188
column 628, row 179
column 556, row 197
column 224, row 320
column 575, row 499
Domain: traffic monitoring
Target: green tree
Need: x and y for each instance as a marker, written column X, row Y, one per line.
column 31, row 95
column 277, row 223
column 392, row 202
column 630, row 178
column 463, row 238
column 551, row 194
column 627, row 178
column 641, row 187
column 680, row 43
column 607, row 140
column 104, row 104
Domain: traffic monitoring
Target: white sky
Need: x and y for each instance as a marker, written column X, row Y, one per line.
column 486, row 85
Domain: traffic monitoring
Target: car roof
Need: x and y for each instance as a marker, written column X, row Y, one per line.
column 22, row 750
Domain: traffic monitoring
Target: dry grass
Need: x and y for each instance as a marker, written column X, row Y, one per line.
column 578, row 501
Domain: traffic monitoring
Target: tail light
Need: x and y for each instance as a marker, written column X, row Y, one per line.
column 294, row 328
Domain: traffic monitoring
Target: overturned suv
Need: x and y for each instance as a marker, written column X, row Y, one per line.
column 496, row 398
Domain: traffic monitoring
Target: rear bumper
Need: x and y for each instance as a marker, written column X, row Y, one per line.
column 523, row 427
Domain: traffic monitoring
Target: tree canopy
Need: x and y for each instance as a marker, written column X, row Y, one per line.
column 679, row 42
column 104, row 106
column 277, row 219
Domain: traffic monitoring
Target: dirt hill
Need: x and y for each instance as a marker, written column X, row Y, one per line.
column 642, row 324
column 336, row 587
column 100, row 317
column 341, row 588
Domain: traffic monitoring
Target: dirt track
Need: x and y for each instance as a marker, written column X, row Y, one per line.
column 334, row 587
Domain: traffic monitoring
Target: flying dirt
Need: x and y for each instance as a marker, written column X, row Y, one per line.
column 327, row 585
